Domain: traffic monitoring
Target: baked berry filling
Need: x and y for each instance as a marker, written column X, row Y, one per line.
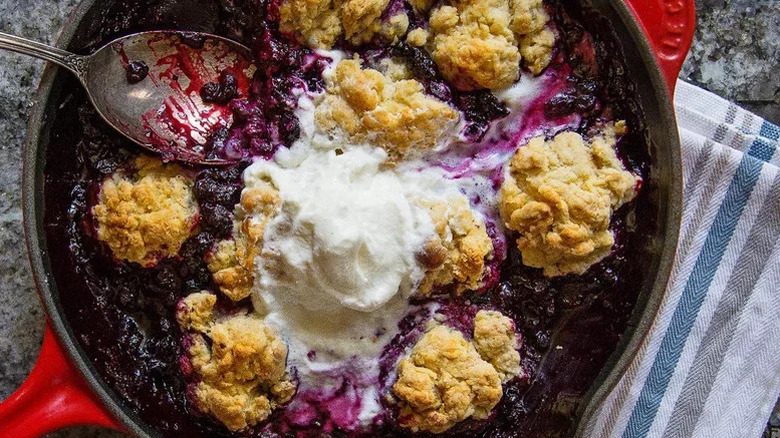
column 563, row 327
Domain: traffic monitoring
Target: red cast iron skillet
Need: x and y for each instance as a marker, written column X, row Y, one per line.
column 63, row 390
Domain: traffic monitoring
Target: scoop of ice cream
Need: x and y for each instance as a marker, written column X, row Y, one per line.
column 346, row 232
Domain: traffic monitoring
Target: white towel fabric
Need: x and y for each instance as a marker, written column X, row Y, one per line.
column 710, row 367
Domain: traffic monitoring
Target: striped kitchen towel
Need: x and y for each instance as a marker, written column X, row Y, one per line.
column 710, row 367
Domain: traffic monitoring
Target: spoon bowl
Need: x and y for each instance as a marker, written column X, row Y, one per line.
column 167, row 91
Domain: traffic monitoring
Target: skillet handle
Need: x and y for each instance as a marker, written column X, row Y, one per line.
column 54, row 396
column 669, row 26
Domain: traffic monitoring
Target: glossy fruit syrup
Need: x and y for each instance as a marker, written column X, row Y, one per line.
column 123, row 314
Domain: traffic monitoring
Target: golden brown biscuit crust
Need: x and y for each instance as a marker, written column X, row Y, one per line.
column 418, row 37
column 480, row 43
column 473, row 45
column 383, row 109
column 196, row 312
column 459, row 252
column 320, row 23
column 560, row 196
column 446, row 379
column 232, row 261
column 443, row 382
column 241, row 372
column 146, row 216
column 496, row 342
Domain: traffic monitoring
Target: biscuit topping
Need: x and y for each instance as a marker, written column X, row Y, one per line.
column 480, row 43
column 560, row 196
column 458, row 253
column 146, row 216
column 447, row 379
column 383, row 109
column 443, row 382
column 232, row 261
column 496, row 342
column 320, row 23
column 240, row 371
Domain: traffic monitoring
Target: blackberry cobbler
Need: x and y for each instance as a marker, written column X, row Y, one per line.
column 436, row 223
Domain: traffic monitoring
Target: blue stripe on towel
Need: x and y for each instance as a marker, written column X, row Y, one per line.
column 694, row 293
column 764, row 146
column 762, row 149
column 770, row 131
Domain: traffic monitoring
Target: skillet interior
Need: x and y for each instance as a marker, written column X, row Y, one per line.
column 665, row 194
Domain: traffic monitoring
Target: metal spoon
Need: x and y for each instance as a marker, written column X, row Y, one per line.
column 163, row 110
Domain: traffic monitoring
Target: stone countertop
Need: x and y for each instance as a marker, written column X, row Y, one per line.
column 736, row 54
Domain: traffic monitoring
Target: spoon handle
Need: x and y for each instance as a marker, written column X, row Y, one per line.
column 71, row 61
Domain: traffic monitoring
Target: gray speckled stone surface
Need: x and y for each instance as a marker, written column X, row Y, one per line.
column 736, row 54
column 21, row 316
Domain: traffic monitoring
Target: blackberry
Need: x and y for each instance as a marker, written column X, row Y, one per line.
column 217, row 219
column 137, row 71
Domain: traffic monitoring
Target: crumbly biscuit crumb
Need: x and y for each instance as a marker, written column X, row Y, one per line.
column 316, row 23
column 560, row 196
column 473, row 46
column 394, row 69
column 241, row 371
column 496, row 342
column 232, row 262
column 528, row 16
column 536, row 49
column 480, row 43
column 233, row 406
column 421, row 5
column 418, row 37
column 458, row 254
column 146, row 216
column 232, row 266
column 394, row 28
column 443, row 382
column 196, row 312
column 320, row 23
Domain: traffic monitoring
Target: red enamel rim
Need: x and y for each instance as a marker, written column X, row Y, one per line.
column 53, row 397
column 55, row 394
column 669, row 26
